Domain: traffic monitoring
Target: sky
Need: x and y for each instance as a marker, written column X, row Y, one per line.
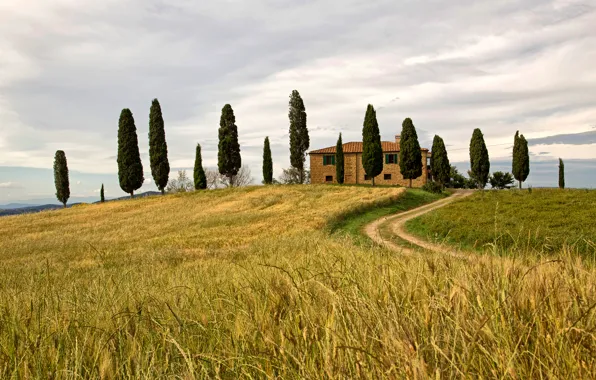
column 68, row 67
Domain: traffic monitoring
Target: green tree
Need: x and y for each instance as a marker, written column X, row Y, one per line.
column 102, row 198
column 521, row 158
column 479, row 161
column 130, row 168
column 439, row 162
column 267, row 163
column 228, row 157
column 61, row 177
column 410, row 156
column 158, row 149
column 456, row 180
column 199, row 173
column 299, row 139
column 339, row 160
column 500, row 180
column 372, row 150
column 561, row 174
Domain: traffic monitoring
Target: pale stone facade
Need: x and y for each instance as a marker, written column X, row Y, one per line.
column 354, row 171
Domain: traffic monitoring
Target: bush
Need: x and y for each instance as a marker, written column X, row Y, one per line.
column 433, row 187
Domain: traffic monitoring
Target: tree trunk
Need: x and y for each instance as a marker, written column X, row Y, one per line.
column 231, row 180
column 520, row 185
column 301, row 176
column 410, row 186
column 132, row 194
column 64, row 203
column 373, row 181
column 163, row 191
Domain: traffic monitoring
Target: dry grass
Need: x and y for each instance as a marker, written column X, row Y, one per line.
column 247, row 283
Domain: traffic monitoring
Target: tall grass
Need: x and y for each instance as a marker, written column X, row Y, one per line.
column 109, row 292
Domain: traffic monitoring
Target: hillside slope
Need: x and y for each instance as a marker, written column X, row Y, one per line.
column 249, row 283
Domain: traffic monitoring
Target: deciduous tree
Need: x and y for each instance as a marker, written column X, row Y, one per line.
column 500, row 180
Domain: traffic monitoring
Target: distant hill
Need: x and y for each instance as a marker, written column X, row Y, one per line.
column 20, row 208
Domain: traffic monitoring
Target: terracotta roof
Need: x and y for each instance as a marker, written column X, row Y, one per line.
column 356, row 147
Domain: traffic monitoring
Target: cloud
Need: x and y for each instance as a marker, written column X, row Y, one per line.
column 582, row 138
column 10, row 185
column 147, row 181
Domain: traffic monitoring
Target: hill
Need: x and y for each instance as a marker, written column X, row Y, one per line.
column 249, row 282
column 545, row 221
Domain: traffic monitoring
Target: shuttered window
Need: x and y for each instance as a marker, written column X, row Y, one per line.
column 329, row 160
column 391, row 158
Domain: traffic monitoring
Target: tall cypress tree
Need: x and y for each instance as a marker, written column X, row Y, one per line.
column 130, row 168
column 228, row 157
column 339, row 161
column 561, row 174
column 410, row 156
column 521, row 159
column 199, row 172
column 61, row 177
column 102, row 198
column 299, row 139
column 372, row 150
column 267, row 163
column 158, row 149
column 439, row 161
column 479, row 160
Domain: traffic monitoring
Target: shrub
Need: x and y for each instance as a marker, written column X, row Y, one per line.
column 433, row 187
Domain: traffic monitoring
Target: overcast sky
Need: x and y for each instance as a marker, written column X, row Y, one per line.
column 68, row 67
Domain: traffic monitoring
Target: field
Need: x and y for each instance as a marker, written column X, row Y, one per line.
column 544, row 221
column 269, row 282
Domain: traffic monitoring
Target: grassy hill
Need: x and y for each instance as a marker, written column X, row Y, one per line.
column 544, row 221
column 249, row 282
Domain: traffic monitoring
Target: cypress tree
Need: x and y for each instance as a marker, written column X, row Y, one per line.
column 61, row 177
column 521, row 158
column 299, row 139
column 439, row 162
column 410, row 156
column 102, row 199
column 199, row 173
column 561, row 174
column 130, row 168
column 479, row 160
column 158, row 149
column 372, row 150
column 228, row 157
column 267, row 163
column 339, row 161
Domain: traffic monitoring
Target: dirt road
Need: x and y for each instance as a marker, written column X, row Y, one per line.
column 398, row 221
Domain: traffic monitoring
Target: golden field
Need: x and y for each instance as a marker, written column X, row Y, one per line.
column 250, row 283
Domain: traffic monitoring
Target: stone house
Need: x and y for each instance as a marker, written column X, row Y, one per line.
column 322, row 165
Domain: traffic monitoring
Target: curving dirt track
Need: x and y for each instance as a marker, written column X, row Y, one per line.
column 398, row 221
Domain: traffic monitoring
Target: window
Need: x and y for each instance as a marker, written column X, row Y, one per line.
column 428, row 161
column 391, row 158
column 329, row 160
column 329, row 178
column 366, row 177
column 387, row 176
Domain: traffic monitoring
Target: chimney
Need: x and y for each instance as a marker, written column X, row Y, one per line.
column 397, row 139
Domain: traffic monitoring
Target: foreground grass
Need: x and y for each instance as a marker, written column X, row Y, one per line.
column 544, row 221
column 248, row 283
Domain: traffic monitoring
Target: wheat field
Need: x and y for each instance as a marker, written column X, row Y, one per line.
column 250, row 283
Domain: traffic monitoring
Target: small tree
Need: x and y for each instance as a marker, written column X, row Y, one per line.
column 479, row 161
column 372, row 150
column 102, row 198
column 228, row 157
column 299, row 139
column 291, row 176
column 500, row 180
column 130, row 168
column 267, row 163
column 158, row 149
column 200, row 180
column 242, row 178
column 521, row 158
column 439, row 162
column 339, row 161
column 561, row 174
column 61, row 177
column 456, row 179
column 181, row 184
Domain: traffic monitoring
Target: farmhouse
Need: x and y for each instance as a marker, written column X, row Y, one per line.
column 322, row 165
